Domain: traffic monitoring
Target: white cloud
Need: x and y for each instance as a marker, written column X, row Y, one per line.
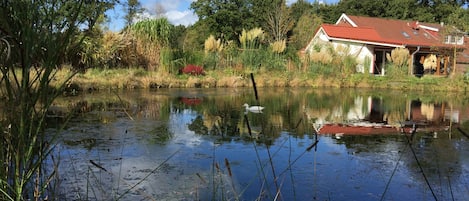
column 177, row 11
column 185, row 18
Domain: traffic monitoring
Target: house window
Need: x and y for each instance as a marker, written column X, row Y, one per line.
column 453, row 40
column 460, row 40
column 457, row 40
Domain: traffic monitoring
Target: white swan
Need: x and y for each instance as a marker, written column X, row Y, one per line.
column 253, row 109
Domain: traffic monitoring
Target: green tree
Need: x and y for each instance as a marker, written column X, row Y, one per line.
column 329, row 13
column 224, row 18
column 177, row 35
column 299, row 8
column 195, row 36
column 436, row 10
column 260, row 12
column 370, row 8
column 132, row 9
column 460, row 19
column 400, row 9
column 304, row 30
column 34, row 37
column 422, row 10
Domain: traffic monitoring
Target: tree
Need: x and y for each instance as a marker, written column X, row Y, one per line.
column 329, row 13
column 400, row 9
column 196, row 35
column 132, row 9
column 34, row 37
column 299, row 8
column 460, row 19
column 224, row 18
column 422, row 10
column 279, row 22
column 260, row 11
column 370, row 8
column 437, row 10
column 305, row 29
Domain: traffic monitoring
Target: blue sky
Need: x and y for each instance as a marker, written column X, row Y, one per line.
column 177, row 11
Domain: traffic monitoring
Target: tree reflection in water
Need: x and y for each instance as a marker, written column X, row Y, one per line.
column 208, row 126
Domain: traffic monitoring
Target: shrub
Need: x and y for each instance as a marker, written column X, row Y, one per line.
column 193, row 70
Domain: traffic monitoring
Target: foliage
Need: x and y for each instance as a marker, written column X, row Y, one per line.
column 302, row 33
column 460, row 19
column 110, row 50
column 226, row 18
column 278, row 22
column 426, row 11
column 132, row 8
column 301, row 8
column 393, row 71
column 338, row 57
column 177, row 37
column 36, row 35
column 151, row 36
column 196, row 36
column 152, row 31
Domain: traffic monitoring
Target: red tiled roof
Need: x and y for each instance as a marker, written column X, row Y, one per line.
column 359, row 130
column 389, row 31
column 352, row 33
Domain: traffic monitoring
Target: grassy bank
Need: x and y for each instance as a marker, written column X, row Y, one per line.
column 96, row 79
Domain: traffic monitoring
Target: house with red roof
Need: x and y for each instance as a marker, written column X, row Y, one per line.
column 432, row 47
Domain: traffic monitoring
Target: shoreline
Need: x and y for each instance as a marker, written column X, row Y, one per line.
column 140, row 79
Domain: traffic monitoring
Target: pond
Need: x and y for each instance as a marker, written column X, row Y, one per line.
column 306, row 144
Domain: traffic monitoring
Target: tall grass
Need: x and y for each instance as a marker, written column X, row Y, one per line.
column 252, row 54
column 213, row 50
column 35, row 36
column 151, row 36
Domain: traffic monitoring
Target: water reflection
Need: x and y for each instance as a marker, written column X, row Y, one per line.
column 196, row 144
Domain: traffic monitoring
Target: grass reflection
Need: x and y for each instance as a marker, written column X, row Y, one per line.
column 220, row 159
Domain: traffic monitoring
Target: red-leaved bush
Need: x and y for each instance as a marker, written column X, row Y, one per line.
column 193, row 70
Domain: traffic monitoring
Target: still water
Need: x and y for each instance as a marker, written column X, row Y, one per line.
column 307, row 144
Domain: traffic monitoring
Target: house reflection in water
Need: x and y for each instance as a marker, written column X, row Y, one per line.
column 377, row 118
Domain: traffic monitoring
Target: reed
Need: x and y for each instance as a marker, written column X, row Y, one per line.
column 30, row 56
column 151, row 36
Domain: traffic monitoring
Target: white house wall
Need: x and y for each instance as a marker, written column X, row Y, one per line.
column 359, row 50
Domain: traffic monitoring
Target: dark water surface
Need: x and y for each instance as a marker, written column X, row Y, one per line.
column 308, row 144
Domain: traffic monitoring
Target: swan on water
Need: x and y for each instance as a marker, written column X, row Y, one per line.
column 253, row 109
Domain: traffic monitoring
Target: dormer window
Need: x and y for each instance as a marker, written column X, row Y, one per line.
column 405, row 34
column 454, row 40
column 426, row 35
